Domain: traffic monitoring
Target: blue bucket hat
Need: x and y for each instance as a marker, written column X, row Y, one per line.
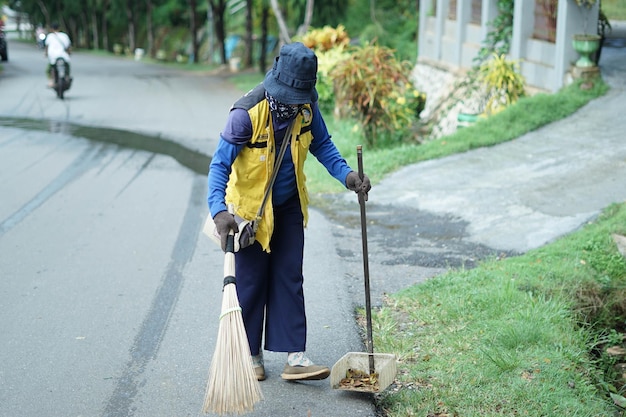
column 292, row 78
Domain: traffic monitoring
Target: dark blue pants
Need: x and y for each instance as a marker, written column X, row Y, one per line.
column 269, row 285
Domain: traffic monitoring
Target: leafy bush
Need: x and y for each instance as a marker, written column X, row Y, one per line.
column 330, row 46
column 502, row 82
column 326, row 38
column 498, row 39
column 372, row 85
column 326, row 61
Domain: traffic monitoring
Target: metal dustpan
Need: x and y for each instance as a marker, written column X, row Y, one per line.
column 352, row 371
column 364, row 371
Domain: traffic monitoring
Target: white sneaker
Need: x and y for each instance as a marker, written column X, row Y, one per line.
column 298, row 359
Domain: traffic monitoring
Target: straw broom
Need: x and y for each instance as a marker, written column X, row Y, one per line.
column 232, row 386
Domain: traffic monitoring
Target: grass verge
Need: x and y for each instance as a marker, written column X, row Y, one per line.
column 508, row 338
column 614, row 9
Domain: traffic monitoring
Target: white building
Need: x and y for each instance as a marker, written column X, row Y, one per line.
column 451, row 33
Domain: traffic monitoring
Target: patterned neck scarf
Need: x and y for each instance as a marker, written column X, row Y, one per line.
column 280, row 110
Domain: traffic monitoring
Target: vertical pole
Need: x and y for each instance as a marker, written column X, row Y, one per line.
column 366, row 271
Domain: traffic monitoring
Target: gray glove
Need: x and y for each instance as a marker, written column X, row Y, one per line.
column 224, row 223
column 354, row 183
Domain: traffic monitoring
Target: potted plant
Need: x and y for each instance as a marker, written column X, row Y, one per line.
column 584, row 43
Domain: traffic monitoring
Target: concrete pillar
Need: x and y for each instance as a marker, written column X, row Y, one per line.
column 562, row 41
column 442, row 8
column 421, row 38
column 463, row 16
column 523, row 19
column 488, row 12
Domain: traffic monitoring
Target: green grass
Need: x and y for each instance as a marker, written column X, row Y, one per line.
column 503, row 339
column 614, row 9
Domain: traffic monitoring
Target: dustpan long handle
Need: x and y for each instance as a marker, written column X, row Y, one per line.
column 366, row 269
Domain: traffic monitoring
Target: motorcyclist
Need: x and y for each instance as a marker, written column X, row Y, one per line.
column 58, row 45
column 40, row 34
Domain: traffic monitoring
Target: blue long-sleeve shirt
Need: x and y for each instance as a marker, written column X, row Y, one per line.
column 238, row 131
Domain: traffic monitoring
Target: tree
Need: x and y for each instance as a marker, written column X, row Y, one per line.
column 265, row 13
column 193, row 27
column 150, row 28
column 92, row 11
column 104, row 27
column 282, row 25
column 218, row 10
column 247, row 58
column 131, row 16
column 308, row 16
column 285, row 37
column 329, row 12
column 44, row 11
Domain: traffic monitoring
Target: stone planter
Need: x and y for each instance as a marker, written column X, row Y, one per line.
column 586, row 45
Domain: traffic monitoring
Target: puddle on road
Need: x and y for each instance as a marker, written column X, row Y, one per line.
column 196, row 161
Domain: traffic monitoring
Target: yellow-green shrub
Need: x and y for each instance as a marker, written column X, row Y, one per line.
column 330, row 45
column 326, row 61
column 326, row 38
column 502, row 81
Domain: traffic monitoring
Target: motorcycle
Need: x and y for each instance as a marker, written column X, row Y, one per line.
column 61, row 77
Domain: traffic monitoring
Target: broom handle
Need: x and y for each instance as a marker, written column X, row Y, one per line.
column 229, row 253
column 366, row 269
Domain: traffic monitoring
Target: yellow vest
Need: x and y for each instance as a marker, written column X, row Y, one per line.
column 253, row 167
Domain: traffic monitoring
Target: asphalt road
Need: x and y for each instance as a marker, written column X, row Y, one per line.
column 110, row 295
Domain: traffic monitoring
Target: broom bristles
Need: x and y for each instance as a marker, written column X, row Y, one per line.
column 232, row 386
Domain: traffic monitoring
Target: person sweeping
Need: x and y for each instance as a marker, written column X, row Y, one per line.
column 282, row 110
